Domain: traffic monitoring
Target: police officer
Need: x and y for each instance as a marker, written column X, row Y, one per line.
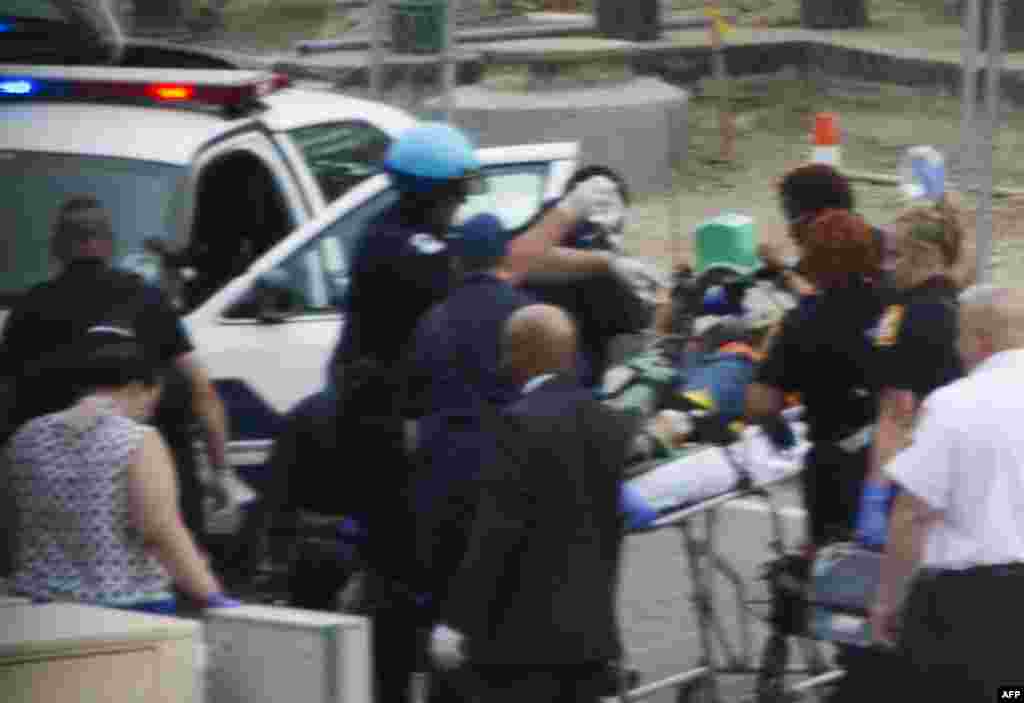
column 401, row 267
column 89, row 293
column 915, row 342
column 455, row 387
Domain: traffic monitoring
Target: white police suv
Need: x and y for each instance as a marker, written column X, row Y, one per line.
column 272, row 184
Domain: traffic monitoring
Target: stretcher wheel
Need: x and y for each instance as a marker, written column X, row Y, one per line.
column 771, row 677
column 700, row 690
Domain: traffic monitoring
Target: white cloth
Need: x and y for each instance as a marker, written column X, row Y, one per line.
column 707, row 473
column 446, row 647
column 967, row 461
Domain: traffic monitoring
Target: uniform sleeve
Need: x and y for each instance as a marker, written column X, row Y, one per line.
column 925, row 468
column 781, row 368
column 918, row 347
column 162, row 328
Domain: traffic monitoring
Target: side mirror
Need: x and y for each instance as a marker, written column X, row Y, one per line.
column 272, row 298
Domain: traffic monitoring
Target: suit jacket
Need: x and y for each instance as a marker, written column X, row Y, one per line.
column 538, row 585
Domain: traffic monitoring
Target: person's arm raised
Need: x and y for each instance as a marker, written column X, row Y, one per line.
column 153, row 502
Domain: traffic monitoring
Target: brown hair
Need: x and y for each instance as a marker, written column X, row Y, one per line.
column 935, row 226
column 840, row 247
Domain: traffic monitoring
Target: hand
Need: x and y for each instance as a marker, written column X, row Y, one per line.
column 772, row 254
column 883, row 620
column 873, row 516
column 220, row 600
column 446, row 647
column 635, row 508
column 588, row 197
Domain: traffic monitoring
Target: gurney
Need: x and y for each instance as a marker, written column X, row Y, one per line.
column 695, row 486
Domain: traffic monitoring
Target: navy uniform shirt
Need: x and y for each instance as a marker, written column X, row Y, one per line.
column 57, row 313
column 398, row 273
column 455, row 357
column 824, row 352
column 916, row 339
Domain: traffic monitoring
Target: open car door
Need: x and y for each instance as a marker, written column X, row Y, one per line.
column 265, row 358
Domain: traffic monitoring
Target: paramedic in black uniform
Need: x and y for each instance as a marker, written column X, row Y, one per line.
column 915, row 342
column 401, row 267
column 824, row 352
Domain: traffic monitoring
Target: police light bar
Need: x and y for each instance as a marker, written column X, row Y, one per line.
column 223, row 88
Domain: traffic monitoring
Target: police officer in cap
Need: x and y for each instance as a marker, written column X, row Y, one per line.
column 401, row 267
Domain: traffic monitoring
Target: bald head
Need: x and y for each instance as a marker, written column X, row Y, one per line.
column 538, row 339
column 991, row 321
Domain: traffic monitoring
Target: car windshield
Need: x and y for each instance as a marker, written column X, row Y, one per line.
column 142, row 196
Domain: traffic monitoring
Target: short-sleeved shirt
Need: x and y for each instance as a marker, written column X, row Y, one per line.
column 58, row 313
column 824, row 352
column 967, row 461
column 916, row 339
column 399, row 271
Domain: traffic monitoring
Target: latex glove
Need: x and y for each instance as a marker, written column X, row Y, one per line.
column 636, row 509
column 671, row 427
column 220, row 600
column 609, row 209
column 587, row 197
column 446, row 647
column 645, row 279
column 873, row 516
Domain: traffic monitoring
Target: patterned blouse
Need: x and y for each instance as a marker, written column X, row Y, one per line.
column 69, row 476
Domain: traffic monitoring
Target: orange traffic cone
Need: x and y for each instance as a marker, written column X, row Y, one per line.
column 826, row 139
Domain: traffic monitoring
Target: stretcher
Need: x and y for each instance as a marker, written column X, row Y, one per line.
column 693, row 488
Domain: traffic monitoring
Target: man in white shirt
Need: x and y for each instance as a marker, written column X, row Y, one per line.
column 960, row 517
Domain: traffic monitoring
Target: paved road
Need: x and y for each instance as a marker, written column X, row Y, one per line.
column 658, row 620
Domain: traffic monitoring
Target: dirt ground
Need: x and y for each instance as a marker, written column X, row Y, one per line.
column 773, row 120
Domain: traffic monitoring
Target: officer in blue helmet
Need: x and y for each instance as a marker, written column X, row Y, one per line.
column 401, row 267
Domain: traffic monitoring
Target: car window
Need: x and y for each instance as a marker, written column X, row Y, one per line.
column 341, row 154
column 142, row 197
column 316, row 276
column 514, row 193
column 33, row 9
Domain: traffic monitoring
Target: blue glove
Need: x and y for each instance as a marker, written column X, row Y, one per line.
column 636, row 509
column 873, row 516
column 219, row 600
column 717, row 301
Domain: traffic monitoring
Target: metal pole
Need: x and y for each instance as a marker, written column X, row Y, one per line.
column 448, row 62
column 969, row 100
column 378, row 24
column 983, row 227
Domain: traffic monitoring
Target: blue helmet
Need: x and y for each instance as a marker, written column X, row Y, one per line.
column 428, row 155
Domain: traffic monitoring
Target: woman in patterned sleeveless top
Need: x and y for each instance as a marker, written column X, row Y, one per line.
column 96, row 493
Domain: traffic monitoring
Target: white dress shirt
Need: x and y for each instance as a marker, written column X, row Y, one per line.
column 966, row 460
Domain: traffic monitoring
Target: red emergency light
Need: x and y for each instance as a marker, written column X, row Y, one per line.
column 228, row 89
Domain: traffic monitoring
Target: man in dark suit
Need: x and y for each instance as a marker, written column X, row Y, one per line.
column 530, row 614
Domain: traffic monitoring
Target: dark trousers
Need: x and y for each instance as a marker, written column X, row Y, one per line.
column 960, row 634
column 586, row 683
column 831, row 484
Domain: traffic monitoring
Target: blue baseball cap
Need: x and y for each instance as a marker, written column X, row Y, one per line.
column 481, row 236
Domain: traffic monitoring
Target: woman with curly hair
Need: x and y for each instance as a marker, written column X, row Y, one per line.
column 823, row 352
column 915, row 341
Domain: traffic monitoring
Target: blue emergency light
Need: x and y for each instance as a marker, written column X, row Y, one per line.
column 18, row 86
column 5, row 27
